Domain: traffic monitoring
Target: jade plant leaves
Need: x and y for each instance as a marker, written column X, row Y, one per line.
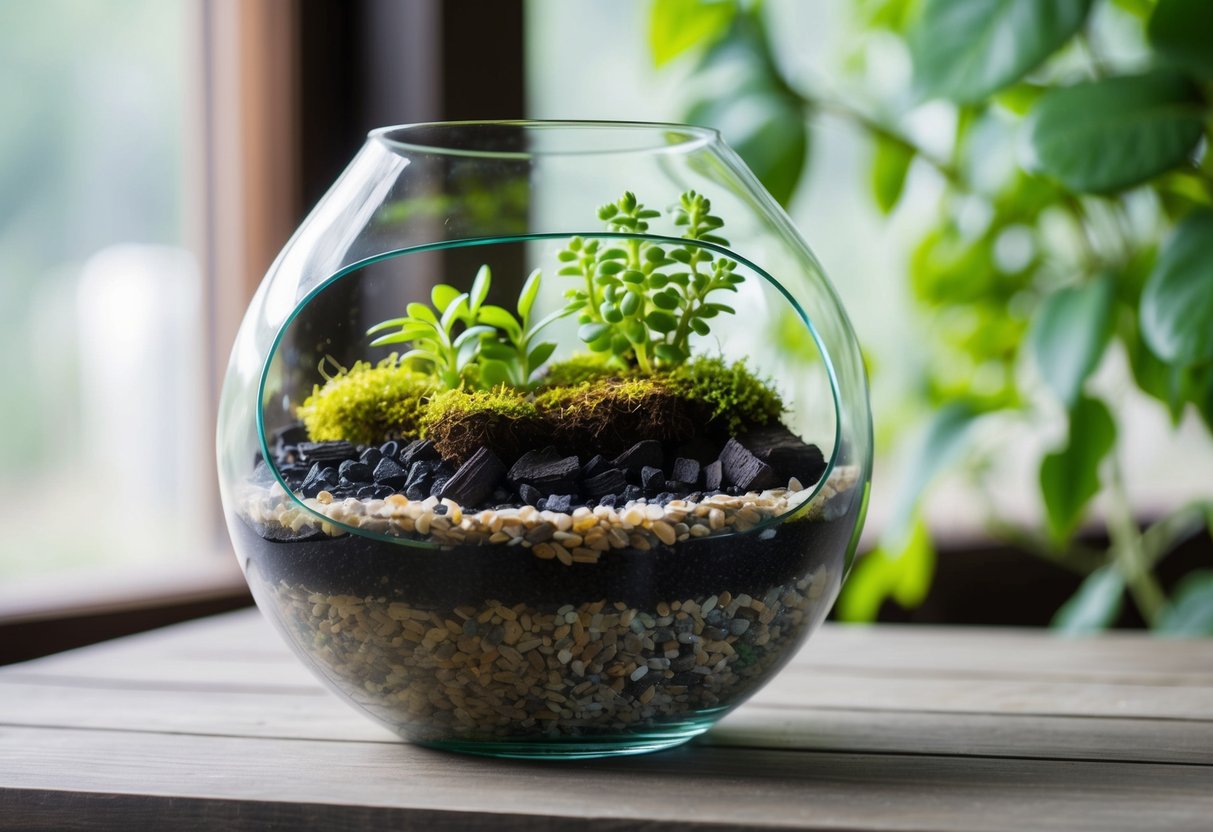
column 1177, row 302
column 1069, row 333
column 966, row 50
column 1181, row 32
column 1069, row 478
column 1103, row 136
column 1095, row 606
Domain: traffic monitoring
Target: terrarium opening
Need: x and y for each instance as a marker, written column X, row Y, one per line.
column 523, row 139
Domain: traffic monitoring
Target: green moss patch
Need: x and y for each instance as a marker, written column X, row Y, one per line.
column 367, row 404
column 580, row 369
column 611, row 415
column 735, row 398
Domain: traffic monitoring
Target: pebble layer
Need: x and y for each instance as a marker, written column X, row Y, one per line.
column 491, row 671
column 581, row 536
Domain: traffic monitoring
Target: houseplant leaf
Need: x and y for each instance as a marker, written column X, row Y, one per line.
column 1191, row 609
column 1095, row 606
column 890, row 164
column 1177, row 302
column 1069, row 478
column 966, row 50
column 676, row 26
column 1106, row 135
column 1181, row 32
column 1069, row 333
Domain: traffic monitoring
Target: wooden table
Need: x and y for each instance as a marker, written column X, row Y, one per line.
column 213, row 724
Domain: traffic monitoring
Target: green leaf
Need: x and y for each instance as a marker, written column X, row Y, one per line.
column 630, row 303
column 1191, row 610
column 890, row 164
column 670, row 353
column 941, row 442
column 1094, row 606
column 540, row 354
column 530, row 291
column 501, row 318
column 457, row 311
column 1177, row 302
column 442, row 295
column 592, row 332
column 1069, row 478
column 480, row 288
column 1106, row 135
column 966, row 50
column 498, row 351
column 549, row 318
column 661, row 321
column 494, row 373
column 903, row 573
column 739, row 91
column 471, row 333
column 1069, row 333
column 421, row 312
column 666, row 300
column 1181, row 32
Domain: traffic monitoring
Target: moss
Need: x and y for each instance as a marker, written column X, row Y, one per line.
column 504, row 419
column 367, row 404
column 580, row 369
column 610, row 415
column 735, row 398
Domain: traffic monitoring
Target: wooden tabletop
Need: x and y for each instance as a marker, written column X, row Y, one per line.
column 213, row 724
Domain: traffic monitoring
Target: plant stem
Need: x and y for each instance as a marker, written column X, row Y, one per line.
column 1127, row 552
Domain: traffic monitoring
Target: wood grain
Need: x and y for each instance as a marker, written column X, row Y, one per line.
column 215, row 724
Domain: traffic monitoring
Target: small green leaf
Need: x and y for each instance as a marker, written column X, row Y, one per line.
column 549, row 318
column 592, row 332
column 570, row 271
column 494, row 373
column 700, row 326
column 540, row 354
column 1069, row 333
column 498, row 351
column 1094, row 607
column 472, row 332
column 666, row 300
column 421, row 312
column 630, row 303
column 632, row 276
column 661, row 321
column 1177, row 302
column 1103, row 136
column 670, row 353
column 890, row 164
column 610, row 313
column 634, row 330
column 501, row 318
column 1181, row 32
column 1191, row 610
column 967, row 50
column 530, row 291
column 457, row 311
column 480, row 288
column 1069, row 478
column 442, row 295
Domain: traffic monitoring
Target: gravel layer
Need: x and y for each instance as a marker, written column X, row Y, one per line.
column 580, row 536
column 490, row 671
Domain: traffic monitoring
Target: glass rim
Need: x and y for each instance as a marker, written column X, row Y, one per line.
column 664, row 137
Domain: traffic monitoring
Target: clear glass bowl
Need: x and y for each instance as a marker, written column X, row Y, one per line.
column 579, row 623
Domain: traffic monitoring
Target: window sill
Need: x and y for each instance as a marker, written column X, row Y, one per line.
column 44, row 615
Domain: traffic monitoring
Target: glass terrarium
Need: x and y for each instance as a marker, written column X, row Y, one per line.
column 545, row 439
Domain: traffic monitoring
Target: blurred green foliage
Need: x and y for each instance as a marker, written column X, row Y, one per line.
column 1096, row 229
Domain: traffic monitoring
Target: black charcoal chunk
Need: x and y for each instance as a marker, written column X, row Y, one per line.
column 529, row 495
column 562, row 503
column 685, row 471
column 744, row 470
column 371, row 457
column 701, row 449
column 610, row 481
column 387, row 472
column 355, row 471
column 786, row 453
column 646, row 453
column 417, row 451
column 390, row 449
column 475, row 479
column 608, row 500
column 326, row 451
column 547, row 471
column 595, row 466
column 713, row 476
column 291, row 435
column 652, row 478
column 417, row 491
column 632, row 492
